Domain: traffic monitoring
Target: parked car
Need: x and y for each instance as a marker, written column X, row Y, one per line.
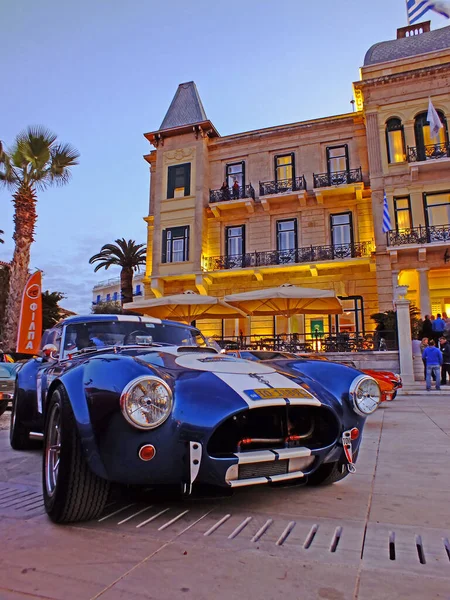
column 389, row 382
column 8, row 372
column 136, row 400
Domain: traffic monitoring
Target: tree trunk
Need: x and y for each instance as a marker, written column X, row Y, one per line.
column 24, row 219
column 126, row 285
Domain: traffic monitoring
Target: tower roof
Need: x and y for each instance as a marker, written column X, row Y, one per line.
column 429, row 41
column 185, row 114
column 186, row 108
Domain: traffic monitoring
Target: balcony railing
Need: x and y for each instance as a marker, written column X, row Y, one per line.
column 429, row 152
column 281, row 186
column 229, row 193
column 419, row 235
column 285, row 257
column 337, row 178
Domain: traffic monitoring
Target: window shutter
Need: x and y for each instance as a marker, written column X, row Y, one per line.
column 186, row 243
column 243, row 239
column 187, row 180
column 293, row 178
column 164, row 246
column 295, row 234
column 171, row 175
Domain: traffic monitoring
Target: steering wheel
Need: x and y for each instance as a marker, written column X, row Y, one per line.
column 128, row 339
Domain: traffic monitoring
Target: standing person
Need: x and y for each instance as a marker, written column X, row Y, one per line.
column 445, row 349
column 438, row 328
column 433, row 359
column 427, row 328
column 225, row 191
column 446, row 320
column 423, row 345
column 235, row 190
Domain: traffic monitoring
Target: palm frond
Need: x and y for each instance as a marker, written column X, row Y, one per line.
column 126, row 254
column 63, row 156
column 2, row 233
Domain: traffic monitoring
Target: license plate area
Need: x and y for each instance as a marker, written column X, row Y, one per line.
column 272, row 393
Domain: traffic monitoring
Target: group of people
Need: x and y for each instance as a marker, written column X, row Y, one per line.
column 235, row 190
column 435, row 349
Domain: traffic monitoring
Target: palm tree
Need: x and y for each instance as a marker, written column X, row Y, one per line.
column 127, row 255
column 36, row 161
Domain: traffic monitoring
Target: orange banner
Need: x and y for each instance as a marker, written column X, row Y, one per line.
column 30, row 322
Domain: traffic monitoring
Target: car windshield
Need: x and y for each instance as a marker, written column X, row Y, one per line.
column 100, row 334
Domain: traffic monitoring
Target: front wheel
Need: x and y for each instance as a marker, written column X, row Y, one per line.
column 19, row 434
column 72, row 492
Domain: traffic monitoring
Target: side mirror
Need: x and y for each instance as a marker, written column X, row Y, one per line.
column 50, row 351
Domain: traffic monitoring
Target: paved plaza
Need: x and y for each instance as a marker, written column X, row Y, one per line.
column 381, row 534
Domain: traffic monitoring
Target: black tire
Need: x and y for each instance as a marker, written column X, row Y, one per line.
column 19, row 435
column 3, row 406
column 73, row 492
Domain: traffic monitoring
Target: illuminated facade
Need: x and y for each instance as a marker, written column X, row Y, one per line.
column 297, row 203
column 413, row 168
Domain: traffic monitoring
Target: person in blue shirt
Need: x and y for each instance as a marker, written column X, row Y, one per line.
column 433, row 360
column 438, row 326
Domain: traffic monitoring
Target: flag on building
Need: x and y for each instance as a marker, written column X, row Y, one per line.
column 30, row 320
column 434, row 120
column 417, row 8
column 387, row 226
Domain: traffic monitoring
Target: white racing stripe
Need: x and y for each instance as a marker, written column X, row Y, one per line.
column 241, row 382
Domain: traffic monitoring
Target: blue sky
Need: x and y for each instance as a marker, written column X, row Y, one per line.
column 100, row 73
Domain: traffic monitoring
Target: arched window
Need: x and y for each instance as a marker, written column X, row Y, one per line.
column 395, row 140
column 428, row 147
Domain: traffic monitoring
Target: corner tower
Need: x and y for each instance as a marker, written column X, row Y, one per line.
column 178, row 194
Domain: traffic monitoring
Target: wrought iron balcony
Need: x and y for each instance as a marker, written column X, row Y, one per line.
column 429, row 152
column 281, row 186
column 229, row 193
column 285, row 257
column 337, row 178
column 419, row 235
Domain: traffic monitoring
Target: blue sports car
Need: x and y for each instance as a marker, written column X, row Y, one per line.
column 139, row 401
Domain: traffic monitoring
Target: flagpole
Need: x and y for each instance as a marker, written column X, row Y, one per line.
column 407, row 11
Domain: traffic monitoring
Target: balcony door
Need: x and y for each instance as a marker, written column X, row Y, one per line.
column 437, row 216
column 341, row 227
column 337, row 164
column 235, row 246
column 286, row 241
column 428, row 147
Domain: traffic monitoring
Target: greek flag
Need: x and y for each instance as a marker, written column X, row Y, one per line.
column 386, row 216
column 434, row 121
column 417, row 8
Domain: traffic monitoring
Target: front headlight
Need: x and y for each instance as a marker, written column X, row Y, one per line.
column 365, row 394
column 146, row 402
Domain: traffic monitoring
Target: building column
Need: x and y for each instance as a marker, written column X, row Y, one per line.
column 395, row 275
column 424, row 291
column 404, row 338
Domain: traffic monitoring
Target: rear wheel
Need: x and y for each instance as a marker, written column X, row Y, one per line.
column 72, row 492
column 3, row 406
column 19, row 434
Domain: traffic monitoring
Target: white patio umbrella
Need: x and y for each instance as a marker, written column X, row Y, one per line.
column 286, row 300
column 186, row 307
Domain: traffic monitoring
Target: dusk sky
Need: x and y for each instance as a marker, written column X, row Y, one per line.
column 100, row 73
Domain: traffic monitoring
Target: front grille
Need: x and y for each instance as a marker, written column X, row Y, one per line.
column 263, row 469
column 274, row 427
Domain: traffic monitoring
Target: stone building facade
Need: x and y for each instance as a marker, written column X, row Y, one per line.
column 397, row 80
column 302, row 203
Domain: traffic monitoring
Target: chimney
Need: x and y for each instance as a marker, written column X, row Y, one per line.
column 415, row 29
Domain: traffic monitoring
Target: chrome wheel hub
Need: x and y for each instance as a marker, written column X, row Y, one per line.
column 53, row 450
